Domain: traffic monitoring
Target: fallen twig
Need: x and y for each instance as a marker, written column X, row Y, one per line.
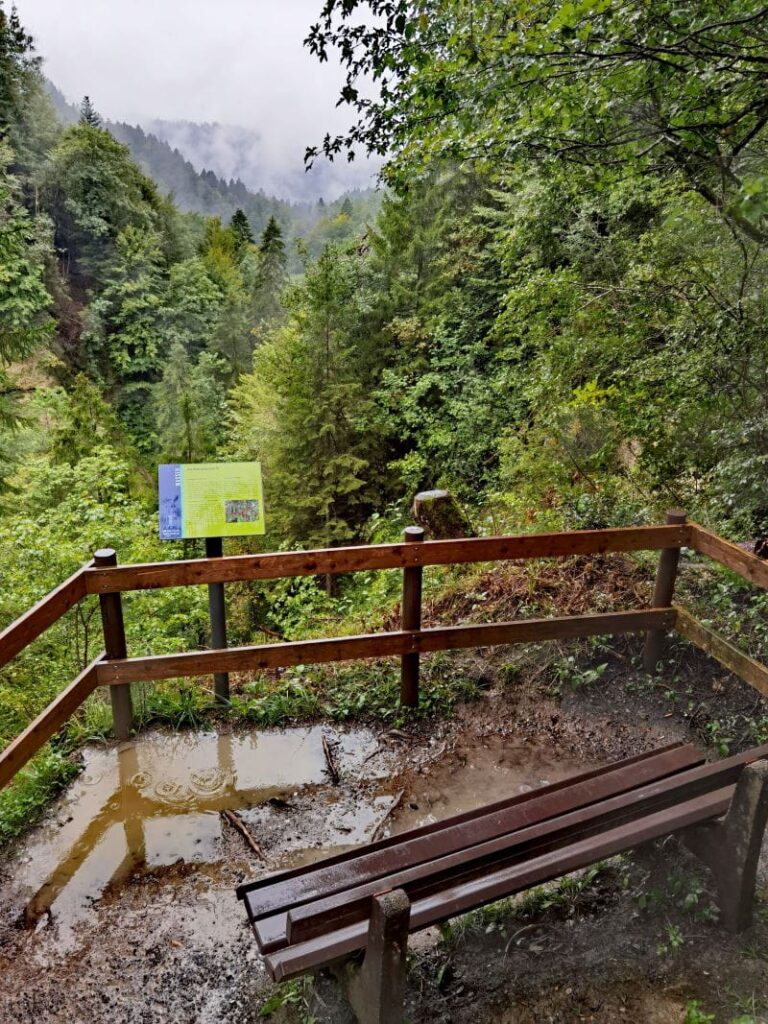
column 520, row 931
column 377, row 831
column 373, row 753
column 333, row 771
column 236, row 823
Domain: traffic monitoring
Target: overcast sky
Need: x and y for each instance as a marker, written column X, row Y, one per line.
column 233, row 61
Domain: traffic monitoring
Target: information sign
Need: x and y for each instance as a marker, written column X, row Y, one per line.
column 210, row 499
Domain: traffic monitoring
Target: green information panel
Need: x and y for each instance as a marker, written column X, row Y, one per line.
column 209, row 499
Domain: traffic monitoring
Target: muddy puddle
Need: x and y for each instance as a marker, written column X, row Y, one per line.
column 157, row 801
column 136, row 865
column 480, row 772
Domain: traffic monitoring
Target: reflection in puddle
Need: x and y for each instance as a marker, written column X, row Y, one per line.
column 155, row 801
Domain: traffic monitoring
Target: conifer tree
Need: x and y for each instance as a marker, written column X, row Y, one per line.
column 271, row 274
column 306, row 411
column 88, row 114
column 272, row 244
column 241, row 230
column 19, row 70
column 189, row 406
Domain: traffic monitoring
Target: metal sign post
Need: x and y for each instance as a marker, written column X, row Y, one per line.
column 214, row 548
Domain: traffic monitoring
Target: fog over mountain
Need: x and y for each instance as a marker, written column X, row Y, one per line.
column 229, row 83
column 200, row 189
column 235, row 152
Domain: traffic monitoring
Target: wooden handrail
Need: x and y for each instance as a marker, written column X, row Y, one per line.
column 408, row 642
column 743, row 563
column 380, row 645
column 717, row 647
column 48, row 722
column 28, row 627
column 329, row 561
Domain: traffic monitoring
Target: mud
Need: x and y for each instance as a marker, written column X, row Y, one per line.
column 124, row 894
column 120, row 905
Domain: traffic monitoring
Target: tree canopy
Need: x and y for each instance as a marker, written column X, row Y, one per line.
column 667, row 87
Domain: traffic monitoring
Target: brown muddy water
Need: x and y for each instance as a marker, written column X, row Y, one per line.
column 156, row 802
column 134, row 864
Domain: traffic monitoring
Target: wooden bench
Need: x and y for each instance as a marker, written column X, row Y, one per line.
column 370, row 898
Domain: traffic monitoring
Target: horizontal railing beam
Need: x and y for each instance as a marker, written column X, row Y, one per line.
column 380, row 645
column 28, row 627
column 48, row 722
column 743, row 563
column 152, row 575
column 717, row 647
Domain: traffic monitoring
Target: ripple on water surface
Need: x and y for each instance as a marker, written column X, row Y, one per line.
column 155, row 801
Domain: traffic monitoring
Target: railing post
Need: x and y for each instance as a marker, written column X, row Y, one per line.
column 410, row 618
column 214, row 548
column 663, row 591
column 115, row 647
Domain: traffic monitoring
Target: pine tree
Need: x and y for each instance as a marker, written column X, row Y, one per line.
column 305, row 409
column 124, row 342
column 84, row 421
column 272, row 244
column 24, row 298
column 88, row 114
column 19, row 71
column 271, row 274
column 94, row 191
column 241, row 230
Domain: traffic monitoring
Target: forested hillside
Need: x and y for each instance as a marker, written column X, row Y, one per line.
column 559, row 312
column 202, row 190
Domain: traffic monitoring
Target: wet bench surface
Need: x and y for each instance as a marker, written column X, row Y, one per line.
column 311, row 916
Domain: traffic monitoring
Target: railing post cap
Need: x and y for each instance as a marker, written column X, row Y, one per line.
column 413, row 533
column 676, row 515
column 105, row 556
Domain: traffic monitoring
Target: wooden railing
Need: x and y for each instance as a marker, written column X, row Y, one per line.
column 113, row 668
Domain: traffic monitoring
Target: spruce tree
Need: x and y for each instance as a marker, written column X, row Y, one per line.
column 19, row 68
column 88, row 114
column 271, row 274
column 189, row 406
column 272, row 244
column 305, row 411
column 241, row 230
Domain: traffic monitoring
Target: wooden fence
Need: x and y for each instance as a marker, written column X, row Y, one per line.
column 113, row 667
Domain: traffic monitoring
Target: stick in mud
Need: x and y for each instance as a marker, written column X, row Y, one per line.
column 333, row 771
column 236, row 823
column 395, row 803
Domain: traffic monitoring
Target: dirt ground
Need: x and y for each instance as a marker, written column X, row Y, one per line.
column 148, row 929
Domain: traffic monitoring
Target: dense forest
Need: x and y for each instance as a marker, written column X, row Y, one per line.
column 206, row 192
column 558, row 312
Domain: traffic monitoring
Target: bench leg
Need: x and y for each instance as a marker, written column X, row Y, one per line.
column 376, row 989
column 731, row 847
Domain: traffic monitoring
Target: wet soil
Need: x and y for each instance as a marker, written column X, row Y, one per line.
column 120, row 905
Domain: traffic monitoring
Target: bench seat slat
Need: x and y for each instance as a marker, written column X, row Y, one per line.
column 279, row 893
column 468, row 895
column 245, row 889
column 334, row 912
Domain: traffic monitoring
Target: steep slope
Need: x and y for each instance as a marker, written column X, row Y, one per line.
column 193, row 191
